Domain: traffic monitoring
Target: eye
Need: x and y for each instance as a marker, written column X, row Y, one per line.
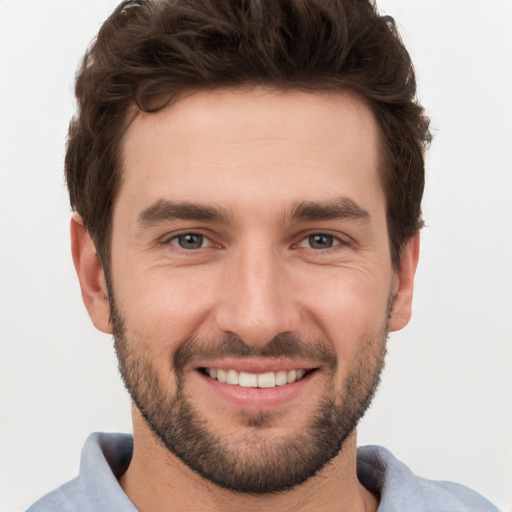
column 190, row 241
column 319, row 241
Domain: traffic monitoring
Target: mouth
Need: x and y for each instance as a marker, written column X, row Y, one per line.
column 270, row 379
column 254, row 385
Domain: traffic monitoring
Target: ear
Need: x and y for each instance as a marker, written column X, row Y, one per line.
column 90, row 274
column 403, row 284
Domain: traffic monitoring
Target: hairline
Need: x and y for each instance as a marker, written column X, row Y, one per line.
column 104, row 247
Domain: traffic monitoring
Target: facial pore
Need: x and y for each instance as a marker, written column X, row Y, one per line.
column 263, row 462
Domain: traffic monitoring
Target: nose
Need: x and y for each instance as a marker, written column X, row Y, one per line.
column 257, row 301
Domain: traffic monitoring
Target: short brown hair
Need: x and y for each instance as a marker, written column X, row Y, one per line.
column 153, row 49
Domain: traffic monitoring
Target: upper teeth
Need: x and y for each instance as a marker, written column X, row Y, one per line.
column 256, row 380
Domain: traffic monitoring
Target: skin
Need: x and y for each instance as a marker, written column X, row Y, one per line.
column 256, row 154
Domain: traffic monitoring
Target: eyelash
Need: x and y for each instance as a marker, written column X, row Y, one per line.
column 169, row 241
column 336, row 241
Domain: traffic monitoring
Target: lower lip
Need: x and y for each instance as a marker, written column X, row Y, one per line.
column 256, row 398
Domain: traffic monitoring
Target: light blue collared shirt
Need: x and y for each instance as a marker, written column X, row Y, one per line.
column 105, row 457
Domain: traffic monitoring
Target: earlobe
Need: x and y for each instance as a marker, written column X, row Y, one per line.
column 404, row 285
column 90, row 274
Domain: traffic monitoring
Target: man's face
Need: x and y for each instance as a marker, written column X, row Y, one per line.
column 250, row 245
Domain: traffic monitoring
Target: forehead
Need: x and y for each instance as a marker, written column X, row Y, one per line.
column 256, row 144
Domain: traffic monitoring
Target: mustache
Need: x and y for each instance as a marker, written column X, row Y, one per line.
column 284, row 345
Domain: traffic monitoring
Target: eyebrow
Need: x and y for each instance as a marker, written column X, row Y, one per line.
column 342, row 208
column 165, row 210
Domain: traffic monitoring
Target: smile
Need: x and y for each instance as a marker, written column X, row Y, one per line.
column 255, row 380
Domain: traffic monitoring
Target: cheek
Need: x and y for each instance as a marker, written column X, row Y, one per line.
column 163, row 308
column 350, row 308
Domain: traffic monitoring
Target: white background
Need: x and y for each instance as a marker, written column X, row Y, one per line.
column 445, row 403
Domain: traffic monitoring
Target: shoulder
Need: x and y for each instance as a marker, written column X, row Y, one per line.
column 63, row 499
column 104, row 458
column 400, row 489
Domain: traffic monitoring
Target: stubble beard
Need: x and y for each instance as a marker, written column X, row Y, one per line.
column 260, row 463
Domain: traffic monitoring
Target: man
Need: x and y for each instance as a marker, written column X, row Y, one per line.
column 247, row 180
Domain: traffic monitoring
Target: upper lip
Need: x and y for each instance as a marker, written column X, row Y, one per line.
column 256, row 365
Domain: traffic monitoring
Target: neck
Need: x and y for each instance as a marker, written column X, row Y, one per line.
column 158, row 481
